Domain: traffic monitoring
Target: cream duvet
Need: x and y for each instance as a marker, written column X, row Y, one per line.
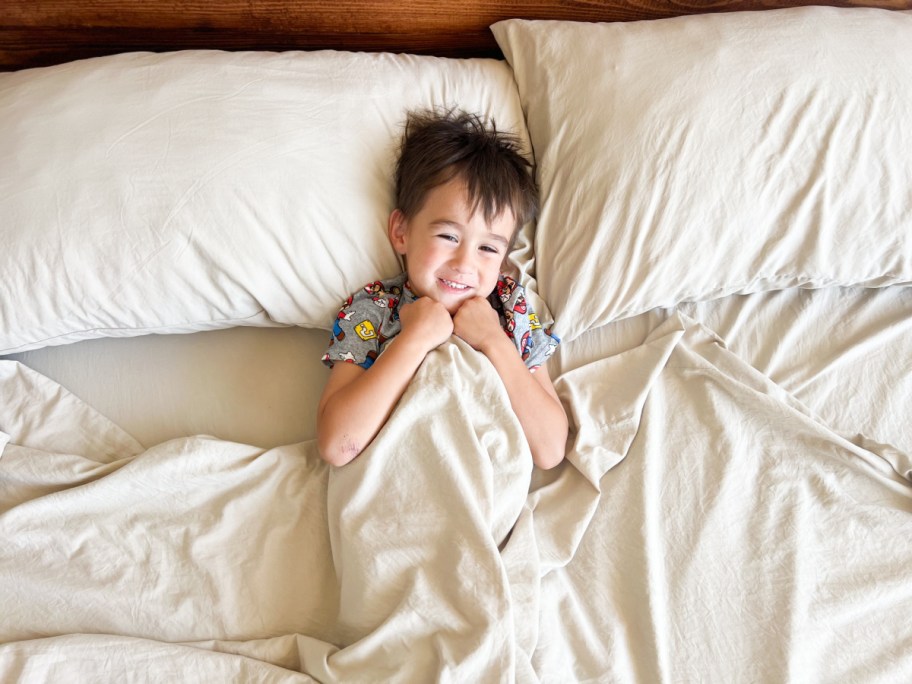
column 705, row 526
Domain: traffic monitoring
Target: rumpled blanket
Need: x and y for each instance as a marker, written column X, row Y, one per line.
column 704, row 527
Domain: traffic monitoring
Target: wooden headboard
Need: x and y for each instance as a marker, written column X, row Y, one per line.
column 44, row 32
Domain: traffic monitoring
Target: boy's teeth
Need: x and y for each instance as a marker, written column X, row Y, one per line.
column 450, row 283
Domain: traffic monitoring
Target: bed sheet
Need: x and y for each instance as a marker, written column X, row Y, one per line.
column 705, row 526
column 737, row 536
column 252, row 385
column 845, row 352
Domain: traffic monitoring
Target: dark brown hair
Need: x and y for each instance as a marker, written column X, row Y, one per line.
column 439, row 145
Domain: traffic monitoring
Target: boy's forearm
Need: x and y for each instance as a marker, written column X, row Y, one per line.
column 540, row 414
column 353, row 416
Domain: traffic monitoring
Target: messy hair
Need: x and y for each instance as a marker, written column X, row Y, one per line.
column 440, row 145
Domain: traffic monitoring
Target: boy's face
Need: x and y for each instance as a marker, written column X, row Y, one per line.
column 451, row 253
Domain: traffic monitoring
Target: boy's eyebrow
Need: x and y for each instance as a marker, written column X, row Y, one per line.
column 447, row 222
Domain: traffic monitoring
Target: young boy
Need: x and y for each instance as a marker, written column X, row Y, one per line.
column 462, row 191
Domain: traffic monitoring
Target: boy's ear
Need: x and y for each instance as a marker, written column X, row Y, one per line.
column 398, row 231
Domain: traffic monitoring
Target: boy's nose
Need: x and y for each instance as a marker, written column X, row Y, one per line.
column 461, row 262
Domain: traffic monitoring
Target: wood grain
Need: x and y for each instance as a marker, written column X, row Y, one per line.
column 53, row 31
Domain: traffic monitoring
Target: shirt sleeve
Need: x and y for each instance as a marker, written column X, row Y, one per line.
column 356, row 334
column 536, row 344
column 533, row 342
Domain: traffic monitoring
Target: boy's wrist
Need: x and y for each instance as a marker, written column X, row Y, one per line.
column 412, row 344
column 497, row 344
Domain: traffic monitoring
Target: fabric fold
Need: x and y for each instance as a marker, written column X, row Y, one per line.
column 416, row 523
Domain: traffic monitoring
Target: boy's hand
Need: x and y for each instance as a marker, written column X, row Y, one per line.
column 426, row 323
column 478, row 324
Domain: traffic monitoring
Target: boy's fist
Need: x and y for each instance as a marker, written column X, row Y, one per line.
column 427, row 322
column 477, row 323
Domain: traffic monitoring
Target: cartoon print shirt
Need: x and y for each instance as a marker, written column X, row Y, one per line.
column 369, row 319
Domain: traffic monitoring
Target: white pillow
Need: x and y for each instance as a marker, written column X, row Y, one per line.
column 691, row 158
column 194, row 190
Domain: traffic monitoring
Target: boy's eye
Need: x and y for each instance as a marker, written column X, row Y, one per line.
column 488, row 248
column 445, row 236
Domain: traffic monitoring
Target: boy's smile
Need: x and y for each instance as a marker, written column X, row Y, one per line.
column 452, row 253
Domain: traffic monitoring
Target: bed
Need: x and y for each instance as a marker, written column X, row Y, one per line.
column 188, row 194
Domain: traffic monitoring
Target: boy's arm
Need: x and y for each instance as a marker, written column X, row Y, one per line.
column 532, row 395
column 356, row 402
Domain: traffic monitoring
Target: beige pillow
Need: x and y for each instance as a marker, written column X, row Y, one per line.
column 691, row 158
column 193, row 190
